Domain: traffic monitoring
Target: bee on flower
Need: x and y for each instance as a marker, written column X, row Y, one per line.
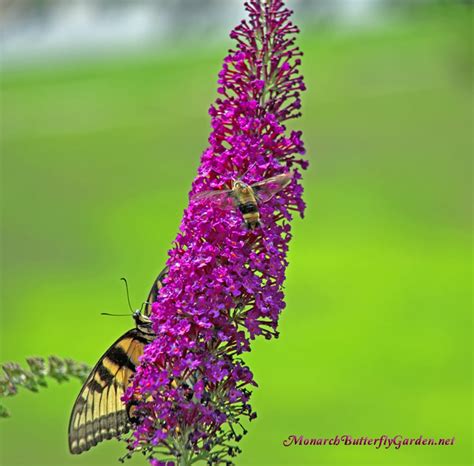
column 246, row 198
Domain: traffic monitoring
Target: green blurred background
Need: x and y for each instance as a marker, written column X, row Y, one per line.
column 98, row 157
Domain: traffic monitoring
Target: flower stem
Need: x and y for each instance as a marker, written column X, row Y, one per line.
column 56, row 368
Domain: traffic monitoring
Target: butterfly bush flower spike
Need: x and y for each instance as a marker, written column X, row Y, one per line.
column 191, row 392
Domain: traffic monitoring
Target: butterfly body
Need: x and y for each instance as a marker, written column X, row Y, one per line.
column 99, row 413
column 246, row 202
column 246, row 197
column 143, row 326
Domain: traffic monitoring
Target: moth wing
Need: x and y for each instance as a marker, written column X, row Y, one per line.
column 224, row 199
column 98, row 413
column 266, row 189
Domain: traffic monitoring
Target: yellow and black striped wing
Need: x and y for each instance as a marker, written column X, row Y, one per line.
column 99, row 413
column 155, row 289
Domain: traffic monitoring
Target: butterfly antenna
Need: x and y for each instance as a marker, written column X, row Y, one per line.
column 128, row 294
column 114, row 315
column 248, row 169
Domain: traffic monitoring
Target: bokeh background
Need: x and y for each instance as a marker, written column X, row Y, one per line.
column 103, row 120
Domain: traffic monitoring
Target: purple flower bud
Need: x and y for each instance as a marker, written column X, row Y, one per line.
column 258, row 84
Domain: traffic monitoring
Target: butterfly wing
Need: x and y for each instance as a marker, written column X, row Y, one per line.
column 155, row 289
column 224, row 199
column 99, row 413
column 266, row 189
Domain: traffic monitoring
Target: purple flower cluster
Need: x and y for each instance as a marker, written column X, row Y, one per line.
column 224, row 285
